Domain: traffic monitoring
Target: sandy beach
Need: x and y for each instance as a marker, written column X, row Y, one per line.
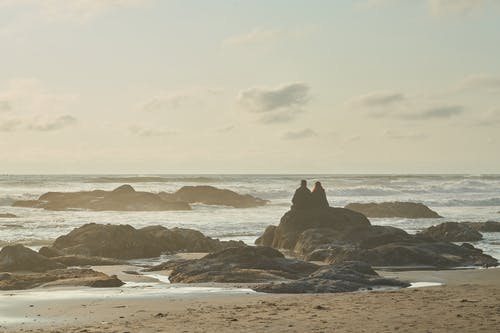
column 469, row 301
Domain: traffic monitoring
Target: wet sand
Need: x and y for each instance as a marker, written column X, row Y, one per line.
column 468, row 302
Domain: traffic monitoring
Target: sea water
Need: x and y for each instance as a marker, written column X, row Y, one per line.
column 474, row 198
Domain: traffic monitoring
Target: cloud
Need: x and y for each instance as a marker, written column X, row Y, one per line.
column 379, row 99
column 446, row 7
column 174, row 100
column 257, row 35
column 52, row 124
column 490, row 118
column 445, row 111
column 289, row 95
column 68, row 10
column 149, row 132
column 9, row 125
column 396, row 135
column 5, row 106
column 297, row 135
column 488, row 83
column 225, row 129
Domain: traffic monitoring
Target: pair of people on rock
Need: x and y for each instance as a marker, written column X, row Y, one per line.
column 306, row 199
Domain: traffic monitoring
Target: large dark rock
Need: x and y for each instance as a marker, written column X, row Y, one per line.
column 344, row 277
column 78, row 261
column 210, row 195
column 8, row 216
column 243, row 264
column 488, row 226
column 14, row 258
column 123, row 198
column 430, row 254
column 58, row 277
column 335, row 235
column 410, row 210
column 342, row 221
column 126, row 242
column 452, row 232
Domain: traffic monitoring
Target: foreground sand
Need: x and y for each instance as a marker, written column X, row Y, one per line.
column 470, row 302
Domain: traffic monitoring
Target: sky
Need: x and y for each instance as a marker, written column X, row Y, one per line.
column 249, row 86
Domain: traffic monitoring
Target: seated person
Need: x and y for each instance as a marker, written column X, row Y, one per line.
column 318, row 197
column 302, row 197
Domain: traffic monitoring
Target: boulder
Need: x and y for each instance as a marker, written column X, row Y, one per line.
column 50, row 252
column 343, row 222
column 343, row 277
column 210, row 195
column 14, row 258
column 242, row 264
column 123, row 198
column 430, row 254
column 410, row 210
column 267, row 237
column 78, row 261
column 488, row 226
column 8, row 216
column 452, row 232
column 126, row 242
column 58, row 277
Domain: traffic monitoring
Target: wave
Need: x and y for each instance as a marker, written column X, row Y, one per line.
column 28, row 242
column 151, row 179
column 486, row 202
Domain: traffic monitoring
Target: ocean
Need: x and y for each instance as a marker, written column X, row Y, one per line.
column 474, row 198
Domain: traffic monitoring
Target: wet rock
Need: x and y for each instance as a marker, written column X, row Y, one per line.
column 430, row 254
column 210, row 195
column 344, row 277
column 267, row 237
column 126, row 242
column 452, row 232
column 14, row 258
column 8, row 216
column 58, row 277
column 488, row 226
column 123, row 198
column 243, row 264
column 50, row 252
column 410, row 210
column 74, row 260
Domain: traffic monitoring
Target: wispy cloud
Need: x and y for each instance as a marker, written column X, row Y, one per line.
column 276, row 104
column 37, row 123
column 379, row 99
column 301, row 134
column 490, row 117
column 437, row 112
column 288, row 95
column 398, row 135
column 485, row 82
column 174, row 100
column 146, row 131
column 447, row 7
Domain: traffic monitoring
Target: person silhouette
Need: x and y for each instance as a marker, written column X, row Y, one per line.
column 302, row 197
column 318, row 197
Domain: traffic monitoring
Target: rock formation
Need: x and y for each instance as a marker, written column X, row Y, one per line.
column 14, row 258
column 126, row 198
column 123, row 198
column 488, row 226
column 263, row 265
column 452, row 232
column 58, row 277
column 335, row 235
column 210, row 195
column 394, row 209
column 126, row 242
column 8, row 216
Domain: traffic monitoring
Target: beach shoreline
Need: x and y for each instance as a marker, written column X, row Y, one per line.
column 468, row 301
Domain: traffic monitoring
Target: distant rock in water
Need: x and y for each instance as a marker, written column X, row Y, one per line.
column 126, row 198
column 488, row 226
column 123, row 198
column 410, row 210
column 8, row 216
column 210, row 195
column 126, row 242
column 335, row 235
column 452, row 232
